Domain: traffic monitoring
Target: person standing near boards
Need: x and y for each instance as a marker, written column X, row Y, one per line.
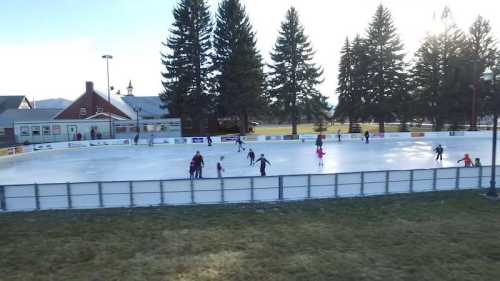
column 339, row 135
column 209, row 141
column 367, row 137
column 263, row 162
column 198, row 163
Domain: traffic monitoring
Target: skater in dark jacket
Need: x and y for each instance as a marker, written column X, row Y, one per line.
column 240, row 143
column 209, row 141
column 251, row 155
column 319, row 141
column 263, row 162
column 198, row 162
column 192, row 169
column 439, row 152
column 367, row 137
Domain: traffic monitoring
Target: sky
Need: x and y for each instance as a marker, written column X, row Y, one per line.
column 48, row 49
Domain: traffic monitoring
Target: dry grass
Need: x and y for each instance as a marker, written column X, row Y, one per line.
column 269, row 130
column 444, row 236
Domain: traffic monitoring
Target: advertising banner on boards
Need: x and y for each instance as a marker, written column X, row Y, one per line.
column 198, row 140
column 228, row 139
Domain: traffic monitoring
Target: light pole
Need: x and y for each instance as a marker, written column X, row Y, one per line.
column 490, row 75
column 137, row 110
column 107, row 58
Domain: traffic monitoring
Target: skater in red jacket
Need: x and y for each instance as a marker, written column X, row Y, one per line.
column 467, row 161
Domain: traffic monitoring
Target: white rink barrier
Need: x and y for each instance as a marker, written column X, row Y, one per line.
column 251, row 139
column 95, row 195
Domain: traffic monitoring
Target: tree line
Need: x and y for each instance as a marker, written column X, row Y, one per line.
column 441, row 84
column 213, row 69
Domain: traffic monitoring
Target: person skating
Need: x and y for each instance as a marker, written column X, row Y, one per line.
column 439, row 152
column 251, row 155
column 192, row 169
column 477, row 162
column 220, row 170
column 263, row 162
column 151, row 140
column 320, row 153
column 240, row 143
column 367, row 137
column 198, row 162
column 339, row 135
column 319, row 141
column 136, row 139
column 467, row 161
column 209, row 141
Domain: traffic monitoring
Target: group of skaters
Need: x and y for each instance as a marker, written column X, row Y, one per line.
column 320, row 153
column 467, row 160
column 197, row 164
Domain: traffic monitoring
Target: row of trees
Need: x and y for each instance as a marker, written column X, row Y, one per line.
column 440, row 85
column 215, row 70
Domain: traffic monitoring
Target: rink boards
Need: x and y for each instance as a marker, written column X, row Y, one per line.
column 90, row 195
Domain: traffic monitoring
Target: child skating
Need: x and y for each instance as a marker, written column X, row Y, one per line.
column 467, row 161
column 320, row 153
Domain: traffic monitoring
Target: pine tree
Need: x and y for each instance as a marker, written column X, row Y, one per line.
column 239, row 77
column 294, row 76
column 385, row 68
column 187, row 63
column 480, row 53
column 440, row 75
column 352, row 81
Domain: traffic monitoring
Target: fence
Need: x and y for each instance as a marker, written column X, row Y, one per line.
column 237, row 190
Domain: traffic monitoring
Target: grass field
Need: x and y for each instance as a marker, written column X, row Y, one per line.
column 440, row 236
column 269, row 130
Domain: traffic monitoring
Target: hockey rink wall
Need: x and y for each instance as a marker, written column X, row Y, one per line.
column 116, row 194
column 11, row 151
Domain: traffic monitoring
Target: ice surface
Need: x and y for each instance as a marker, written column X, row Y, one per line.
column 172, row 161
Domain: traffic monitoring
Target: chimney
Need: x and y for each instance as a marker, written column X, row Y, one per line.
column 89, row 87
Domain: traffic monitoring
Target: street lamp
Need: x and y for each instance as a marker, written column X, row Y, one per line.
column 137, row 110
column 107, row 58
column 491, row 75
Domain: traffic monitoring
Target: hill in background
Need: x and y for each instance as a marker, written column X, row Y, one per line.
column 58, row 103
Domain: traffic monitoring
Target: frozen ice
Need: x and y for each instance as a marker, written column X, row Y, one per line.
column 122, row 163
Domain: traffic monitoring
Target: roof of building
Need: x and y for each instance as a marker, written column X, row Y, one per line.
column 10, row 102
column 117, row 101
column 150, row 106
column 18, row 115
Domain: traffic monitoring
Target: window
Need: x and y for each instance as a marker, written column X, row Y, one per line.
column 25, row 131
column 35, row 130
column 120, row 129
column 46, row 130
column 83, row 111
column 56, row 129
column 99, row 109
column 2, row 132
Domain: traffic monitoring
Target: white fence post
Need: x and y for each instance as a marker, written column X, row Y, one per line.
column 162, row 192
column 37, row 197
column 362, row 185
column 411, row 181
column 308, row 186
column 68, row 195
column 252, row 195
column 101, row 200
column 222, row 191
column 131, row 193
column 336, row 186
column 480, row 181
column 387, row 178
column 192, row 191
column 434, row 180
column 3, row 200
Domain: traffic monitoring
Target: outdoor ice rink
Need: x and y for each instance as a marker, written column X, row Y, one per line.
column 172, row 161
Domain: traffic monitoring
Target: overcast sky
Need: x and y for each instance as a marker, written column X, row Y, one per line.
column 48, row 49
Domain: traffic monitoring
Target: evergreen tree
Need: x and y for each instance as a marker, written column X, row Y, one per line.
column 386, row 66
column 480, row 53
column 187, row 63
column 294, row 76
column 440, row 75
column 239, row 76
column 352, row 82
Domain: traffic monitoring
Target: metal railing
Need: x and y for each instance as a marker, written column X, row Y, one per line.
column 112, row 194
